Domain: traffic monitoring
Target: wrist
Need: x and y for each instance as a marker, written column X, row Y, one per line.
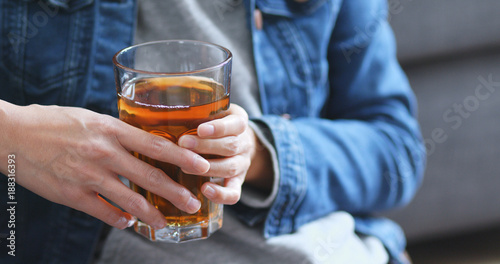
column 260, row 174
column 6, row 146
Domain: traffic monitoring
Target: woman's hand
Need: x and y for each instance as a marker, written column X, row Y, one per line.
column 241, row 155
column 71, row 155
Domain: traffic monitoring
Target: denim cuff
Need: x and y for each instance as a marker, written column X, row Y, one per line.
column 292, row 183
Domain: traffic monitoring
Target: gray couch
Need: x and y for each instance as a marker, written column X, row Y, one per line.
column 451, row 51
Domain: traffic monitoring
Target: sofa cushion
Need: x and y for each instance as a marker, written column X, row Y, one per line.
column 459, row 107
column 429, row 28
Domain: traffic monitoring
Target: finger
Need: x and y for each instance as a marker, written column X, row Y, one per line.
column 133, row 203
column 233, row 124
column 228, row 167
column 160, row 149
column 99, row 208
column 227, row 146
column 224, row 195
column 155, row 181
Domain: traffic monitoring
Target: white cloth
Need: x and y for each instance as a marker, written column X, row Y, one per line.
column 332, row 240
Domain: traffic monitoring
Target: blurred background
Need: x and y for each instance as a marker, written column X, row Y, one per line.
column 450, row 51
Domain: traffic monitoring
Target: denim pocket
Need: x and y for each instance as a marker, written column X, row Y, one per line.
column 295, row 38
column 44, row 48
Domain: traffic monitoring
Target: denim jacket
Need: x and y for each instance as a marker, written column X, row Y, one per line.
column 335, row 102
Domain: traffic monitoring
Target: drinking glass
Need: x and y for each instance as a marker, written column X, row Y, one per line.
column 168, row 88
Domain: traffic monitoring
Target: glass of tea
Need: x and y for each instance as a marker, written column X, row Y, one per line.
column 169, row 88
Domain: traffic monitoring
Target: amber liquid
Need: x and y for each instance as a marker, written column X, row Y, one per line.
column 171, row 107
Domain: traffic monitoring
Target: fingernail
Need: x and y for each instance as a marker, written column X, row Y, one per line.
column 132, row 221
column 209, row 191
column 201, row 164
column 206, row 130
column 187, row 142
column 193, row 205
column 160, row 224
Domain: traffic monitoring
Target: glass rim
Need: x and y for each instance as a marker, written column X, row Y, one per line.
column 218, row 65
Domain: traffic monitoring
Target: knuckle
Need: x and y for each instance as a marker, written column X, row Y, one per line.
column 158, row 144
column 183, row 196
column 233, row 169
column 233, row 146
column 104, row 152
column 243, row 122
column 97, row 135
column 232, row 172
column 105, row 124
column 155, row 178
column 95, row 149
column 136, row 203
column 184, row 155
column 233, row 197
column 185, row 159
column 95, row 179
column 240, row 124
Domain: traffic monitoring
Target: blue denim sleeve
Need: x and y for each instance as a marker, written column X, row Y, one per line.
column 364, row 154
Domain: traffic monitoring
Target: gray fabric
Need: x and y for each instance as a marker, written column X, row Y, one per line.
column 428, row 28
column 219, row 22
column 234, row 243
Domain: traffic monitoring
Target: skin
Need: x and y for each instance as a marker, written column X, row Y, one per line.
column 71, row 156
column 246, row 160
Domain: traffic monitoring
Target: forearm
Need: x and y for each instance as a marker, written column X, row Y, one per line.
column 351, row 165
column 359, row 166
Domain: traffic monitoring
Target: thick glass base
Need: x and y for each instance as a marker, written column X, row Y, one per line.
column 179, row 234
